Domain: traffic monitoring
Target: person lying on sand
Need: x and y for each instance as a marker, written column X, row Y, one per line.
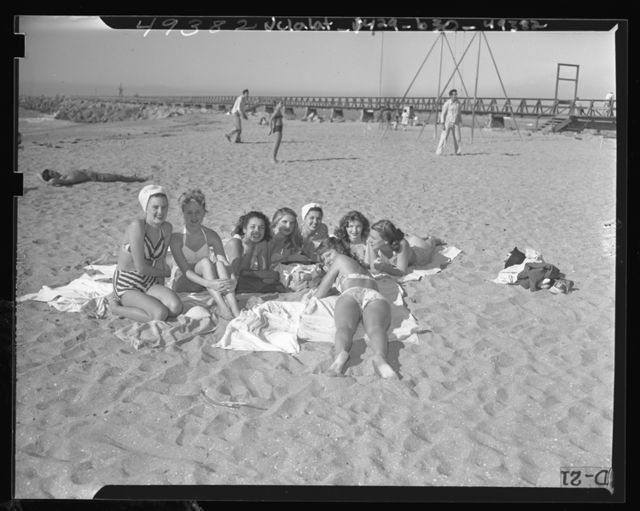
column 138, row 292
column 391, row 251
column 190, row 250
column 353, row 230
column 359, row 300
column 73, row 177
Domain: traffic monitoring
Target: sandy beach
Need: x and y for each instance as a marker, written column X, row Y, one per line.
column 505, row 388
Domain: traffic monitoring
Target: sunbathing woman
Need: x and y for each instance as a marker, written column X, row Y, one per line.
column 391, row 251
column 142, row 267
column 359, row 300
column 286, row 242
column 353, row 230
column 312, row 230
column 248, row 252
column 190, row 250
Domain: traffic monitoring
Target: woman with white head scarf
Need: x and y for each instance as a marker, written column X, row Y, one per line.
column 138, row 290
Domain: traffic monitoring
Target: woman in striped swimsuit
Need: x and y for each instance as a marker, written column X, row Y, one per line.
column 197, row 270
column 359, row 300
column 137, row 281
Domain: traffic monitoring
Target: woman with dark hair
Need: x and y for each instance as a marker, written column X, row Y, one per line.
column 248, row 252
column 353, row 230
column 391, row 251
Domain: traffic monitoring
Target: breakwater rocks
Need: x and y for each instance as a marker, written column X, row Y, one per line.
column 96, row 110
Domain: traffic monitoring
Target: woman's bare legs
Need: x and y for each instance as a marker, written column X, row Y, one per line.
column 206, row 268
column 376, row 319
column 230, row 297
column 347, row 318
column 276, row 147
column 138, row 306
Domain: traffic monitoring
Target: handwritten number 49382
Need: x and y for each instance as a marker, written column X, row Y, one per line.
column 194, row 24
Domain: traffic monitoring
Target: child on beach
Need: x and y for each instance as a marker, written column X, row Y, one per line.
column 312, row 230
column 190, row 250
column 286, row 242
column 391, row 251
column 137, row 282
column 353, row 230
column 275, row 126
column 248, row 252
column 359, row 300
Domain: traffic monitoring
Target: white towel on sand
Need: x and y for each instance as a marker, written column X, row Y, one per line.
column 280, row 325
column 440, row 259
column 85, row 294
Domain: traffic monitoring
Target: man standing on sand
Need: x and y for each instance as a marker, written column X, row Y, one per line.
column 450, row 118
column 239, row 111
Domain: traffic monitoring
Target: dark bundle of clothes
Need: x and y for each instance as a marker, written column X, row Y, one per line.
column 538, row 275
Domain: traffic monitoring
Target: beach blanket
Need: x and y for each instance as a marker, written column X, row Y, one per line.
column 279, row 325
column 85, row 294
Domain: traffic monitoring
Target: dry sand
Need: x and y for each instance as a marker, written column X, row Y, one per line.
column 507, row 387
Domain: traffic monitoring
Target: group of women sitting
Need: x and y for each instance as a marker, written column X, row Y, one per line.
column 253, row 259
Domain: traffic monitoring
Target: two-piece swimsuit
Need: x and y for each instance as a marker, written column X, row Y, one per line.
column 133, row 280
column 362, row 295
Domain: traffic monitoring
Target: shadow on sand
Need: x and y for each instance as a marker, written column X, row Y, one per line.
column 319, row 159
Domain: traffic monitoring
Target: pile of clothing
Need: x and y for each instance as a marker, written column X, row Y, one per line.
column 530, row 271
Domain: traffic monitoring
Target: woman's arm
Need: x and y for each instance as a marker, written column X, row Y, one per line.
column 214, row 241
column 135, row 233
column 327, row 281
column 234, row 250
column 404, row 256
column 401, row 267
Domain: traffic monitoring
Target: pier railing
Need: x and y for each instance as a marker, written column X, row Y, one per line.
column 523, row 107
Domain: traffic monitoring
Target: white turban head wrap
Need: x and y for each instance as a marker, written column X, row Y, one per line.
column 147, row 192
column 307, row 207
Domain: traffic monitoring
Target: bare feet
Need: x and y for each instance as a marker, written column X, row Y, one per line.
column 336, row 368
column 225, row 312
column 383, row 368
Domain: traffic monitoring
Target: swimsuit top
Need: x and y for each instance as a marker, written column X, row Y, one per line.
column 192, row 256
column 151, row 252
column 341, row 278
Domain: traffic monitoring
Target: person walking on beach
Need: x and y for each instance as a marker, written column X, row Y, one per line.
column 72, row 177
column 239, row 112
column 359, row 300
column 275, row 126
column 450, row 118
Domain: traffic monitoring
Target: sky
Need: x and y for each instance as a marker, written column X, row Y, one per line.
column 81, row 55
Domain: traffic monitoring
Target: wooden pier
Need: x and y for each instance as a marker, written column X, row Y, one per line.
column 597, row 112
